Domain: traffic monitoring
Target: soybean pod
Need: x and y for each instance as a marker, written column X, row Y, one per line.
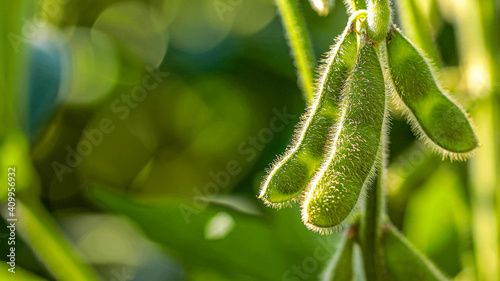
column 290, row 174
column 336, row 187
column 433, row 115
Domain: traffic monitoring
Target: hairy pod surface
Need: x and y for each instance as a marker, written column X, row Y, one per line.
column 432, row 113
column 290, row 174
column 404, row 263
column 337, row 185
column 379, row 19
column 341, row 268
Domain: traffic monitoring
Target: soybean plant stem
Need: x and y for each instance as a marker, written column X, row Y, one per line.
column 372, row 223
column 300, row 43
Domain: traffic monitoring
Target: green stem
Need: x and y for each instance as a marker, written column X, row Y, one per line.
column 373, row 219
column 12, row 58
column 21, row 274
column 372, row 228
column 298, row 38
column 35, row 225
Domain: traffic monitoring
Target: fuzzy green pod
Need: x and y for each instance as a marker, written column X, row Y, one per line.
column 337, row 186
column 404, row 263
column 433, row 115
column 340, row 268
column 379, row 19
column 290, row 174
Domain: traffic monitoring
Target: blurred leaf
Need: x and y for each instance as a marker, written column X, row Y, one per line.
column 404, row 263
column 19, row 275
column 94, row 66
column 12, row 58
column 258, row 247
column 41, row 233
column 14, row 154
column 45, row 75
column 252, row 16
column 358, row 264
column 406, row 175
column 203, row 32
column 146, row 41
column 437, row 233
column 14, row 147
column 179, row 138
column 117, row 249
column 340, row 268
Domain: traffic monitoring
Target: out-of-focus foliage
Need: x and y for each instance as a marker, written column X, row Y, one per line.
column 144, row 128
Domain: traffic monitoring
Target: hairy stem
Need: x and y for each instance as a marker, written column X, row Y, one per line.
column 300, row 43
column 372, row 228
column 373, row 220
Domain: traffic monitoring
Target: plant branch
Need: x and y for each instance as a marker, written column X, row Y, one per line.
column 300, row 43
column 373, row 220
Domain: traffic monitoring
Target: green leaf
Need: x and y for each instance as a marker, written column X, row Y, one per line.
column 442, row 235
column 14, row 147
column 433, row 115
column 340, row 268
column 403, row 262
column 262, row 247
column 19, row 275
column 42, row 234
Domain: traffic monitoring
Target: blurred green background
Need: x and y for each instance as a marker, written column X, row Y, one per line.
column 140, row 132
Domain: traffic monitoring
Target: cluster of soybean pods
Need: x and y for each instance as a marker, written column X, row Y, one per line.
column 341, row 138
